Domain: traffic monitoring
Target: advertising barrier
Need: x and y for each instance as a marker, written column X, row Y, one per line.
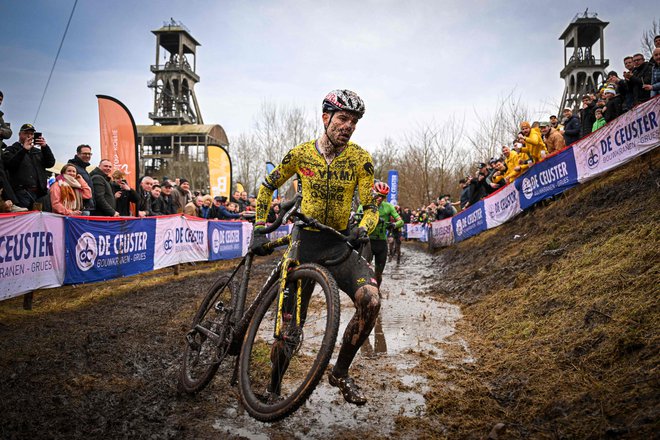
column 623, row 139
column 180, row 239
column 442, row 233
column 417, row 231
column 98, row 250
column 31, row 250
column 502, row 206
column 225, row 240
column 469, row 222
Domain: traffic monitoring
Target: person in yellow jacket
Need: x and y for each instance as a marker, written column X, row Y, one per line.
column 533, row 140
column 511, row 160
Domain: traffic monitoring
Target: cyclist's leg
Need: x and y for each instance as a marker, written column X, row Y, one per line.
column 356, row 278
column 379, row 250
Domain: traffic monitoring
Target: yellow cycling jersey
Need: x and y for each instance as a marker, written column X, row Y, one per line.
column 327, row 189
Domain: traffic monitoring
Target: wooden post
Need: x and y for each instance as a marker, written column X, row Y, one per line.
column 27, row 301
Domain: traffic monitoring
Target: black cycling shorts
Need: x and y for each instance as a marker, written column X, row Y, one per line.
column 379, row 252
column 350, row 275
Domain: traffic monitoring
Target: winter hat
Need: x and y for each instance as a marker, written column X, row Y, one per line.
column 525, row 124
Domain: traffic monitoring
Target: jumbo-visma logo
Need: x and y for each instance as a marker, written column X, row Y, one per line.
column 86, row 252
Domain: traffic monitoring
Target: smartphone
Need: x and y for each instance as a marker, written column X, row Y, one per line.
column 37, row 135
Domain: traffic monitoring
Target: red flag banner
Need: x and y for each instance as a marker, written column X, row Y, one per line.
column 119, row 137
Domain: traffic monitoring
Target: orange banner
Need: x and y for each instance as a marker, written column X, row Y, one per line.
column 119, row 137
column 219, row 171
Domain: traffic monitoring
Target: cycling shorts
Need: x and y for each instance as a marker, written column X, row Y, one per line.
column 350, row 275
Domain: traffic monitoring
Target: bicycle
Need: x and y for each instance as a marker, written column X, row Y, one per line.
column 283, row 341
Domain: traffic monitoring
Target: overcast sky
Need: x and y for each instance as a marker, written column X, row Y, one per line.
column 411, row 61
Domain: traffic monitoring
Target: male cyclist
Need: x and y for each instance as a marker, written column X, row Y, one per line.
column 329, row 169
column 378, row 238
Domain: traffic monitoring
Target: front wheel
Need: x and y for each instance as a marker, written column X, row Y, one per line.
column 277, row 374
column 209, row 338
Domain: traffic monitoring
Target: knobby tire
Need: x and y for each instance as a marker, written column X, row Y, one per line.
column 305, row 352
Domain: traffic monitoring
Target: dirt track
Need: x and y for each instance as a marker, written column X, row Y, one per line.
column 108, row 369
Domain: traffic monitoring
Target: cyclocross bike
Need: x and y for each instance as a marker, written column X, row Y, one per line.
column 285, row 338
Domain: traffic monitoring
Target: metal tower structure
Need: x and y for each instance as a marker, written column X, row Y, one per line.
column 583, row 70
column 175, row 102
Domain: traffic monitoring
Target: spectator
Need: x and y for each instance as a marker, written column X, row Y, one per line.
column 68, row 193
column 554, row 123
column 640, row 75
column 192, row 208
column 612, row 107
column 25, row 162
column 622, row 89
column 600, row 121
column 81, row 162
column 478, row 186
column 222, row 212
column 465, row 192
column 181, row 194
column 554, row 141
column 405, row 215
column 273, row 212
column 571, row 127
column 144, row 196
column 511, row 161
column 169, row 206
column 531, row 137
column 587, row 115
column 497, row 180
column 654, row 86
column 157, row 203
column 124, row 194
column 243, row 202
column 5, row 130
column 444, row 209
column 205, row 209
column 104, row 197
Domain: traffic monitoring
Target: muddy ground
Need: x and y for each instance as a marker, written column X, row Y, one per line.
column 108, row 368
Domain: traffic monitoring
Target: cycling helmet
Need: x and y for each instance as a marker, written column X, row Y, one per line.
column 381, row 189
column 343, row 100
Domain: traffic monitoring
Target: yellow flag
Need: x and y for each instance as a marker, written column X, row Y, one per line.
column 219, row 171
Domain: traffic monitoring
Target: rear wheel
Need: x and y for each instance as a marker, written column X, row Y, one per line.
column 277, row 374
column 208, row 340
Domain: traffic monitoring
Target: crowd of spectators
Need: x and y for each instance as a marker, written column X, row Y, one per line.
column 26, row 183
column 538, row 140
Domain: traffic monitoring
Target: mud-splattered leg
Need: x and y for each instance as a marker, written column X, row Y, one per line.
column 367, row 305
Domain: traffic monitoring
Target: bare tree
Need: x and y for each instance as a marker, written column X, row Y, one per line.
column 647, row 39
column 248, row 162
column 385, row 158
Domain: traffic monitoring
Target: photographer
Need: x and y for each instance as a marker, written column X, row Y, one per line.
column 26, row 162
column 124, row 195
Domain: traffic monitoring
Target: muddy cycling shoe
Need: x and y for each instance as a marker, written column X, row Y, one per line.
column 348, row 388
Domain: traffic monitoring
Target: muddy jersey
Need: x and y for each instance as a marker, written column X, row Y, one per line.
column 327, row 189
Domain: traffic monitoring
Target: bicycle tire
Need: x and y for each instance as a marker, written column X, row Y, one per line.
column 316, row 339
column 201, row 356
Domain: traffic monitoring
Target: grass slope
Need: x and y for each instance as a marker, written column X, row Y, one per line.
column 561, row 313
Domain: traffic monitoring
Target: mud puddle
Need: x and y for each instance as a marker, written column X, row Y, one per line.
column 410, row 324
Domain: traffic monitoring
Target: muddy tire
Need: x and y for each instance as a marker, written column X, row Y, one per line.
column 277, row 375
column 202, row 356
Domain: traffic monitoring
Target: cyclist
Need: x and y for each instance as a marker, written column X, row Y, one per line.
column 329, row 170
column 378, row 238
column 394, row 238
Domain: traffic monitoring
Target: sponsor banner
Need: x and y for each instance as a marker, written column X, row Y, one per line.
column 247, row 236
column 550, row 177
column 277, row 233
column 225, row 240
column 180, row 240
column 99, row 250
column 393, row 182
column 620, row 141
column 469, row 222
column 502, row 206
column 416, row 231
column 118, row 137
column 31, row 249
column 441, row 234
column 219, row 171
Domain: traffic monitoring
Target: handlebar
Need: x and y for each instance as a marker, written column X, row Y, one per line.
column 286, row 209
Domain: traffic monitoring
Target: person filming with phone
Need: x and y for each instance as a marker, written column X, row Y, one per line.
column 26, row 162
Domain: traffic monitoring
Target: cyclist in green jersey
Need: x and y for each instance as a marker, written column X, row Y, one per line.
column 378, row 238
column 329, row 169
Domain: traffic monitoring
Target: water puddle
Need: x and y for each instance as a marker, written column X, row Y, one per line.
column 409, row 323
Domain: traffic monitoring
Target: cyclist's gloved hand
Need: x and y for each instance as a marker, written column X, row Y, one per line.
column 257, row 243
column 358, row 237
column 391, row 226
